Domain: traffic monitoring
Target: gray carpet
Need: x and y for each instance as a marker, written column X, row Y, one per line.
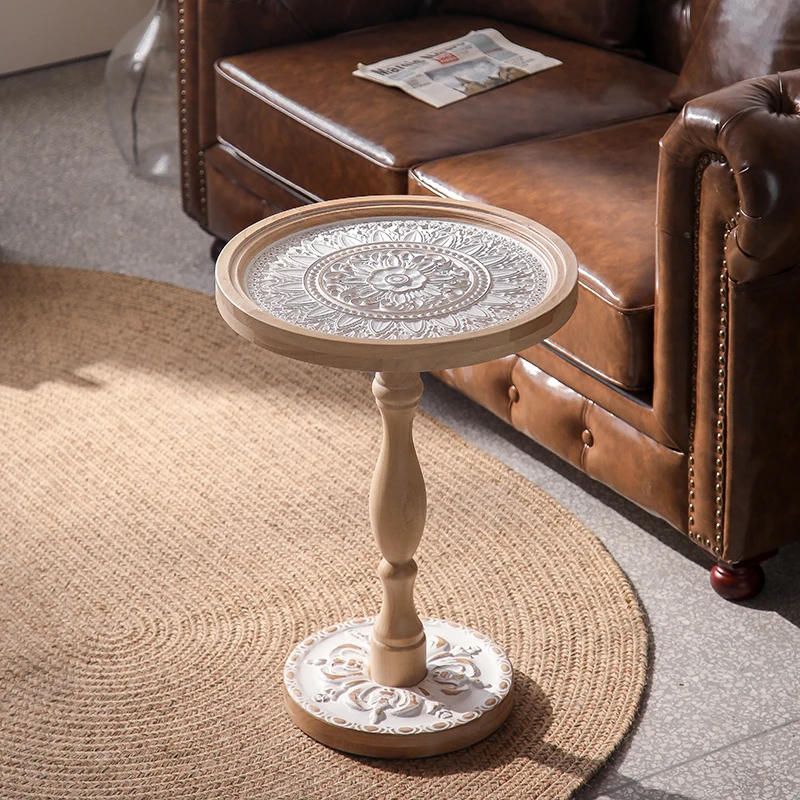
column 66, row 195
column 722, row 718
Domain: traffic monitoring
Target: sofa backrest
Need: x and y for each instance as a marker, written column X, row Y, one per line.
column 714, row 43
column 740, row 39
column 668, row 28
column 604, row 23
column 663, row 29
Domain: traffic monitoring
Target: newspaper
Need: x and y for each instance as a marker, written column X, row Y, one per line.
column 448, row 72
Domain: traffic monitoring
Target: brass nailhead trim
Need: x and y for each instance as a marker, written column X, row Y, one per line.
column 184, row 121
column 719, row 488
column 184, row 125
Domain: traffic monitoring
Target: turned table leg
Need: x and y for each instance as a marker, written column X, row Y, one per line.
column 397, row 507
column 398, row 685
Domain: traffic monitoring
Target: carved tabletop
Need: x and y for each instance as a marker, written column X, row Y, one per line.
column 397, row 285
column 400, row 284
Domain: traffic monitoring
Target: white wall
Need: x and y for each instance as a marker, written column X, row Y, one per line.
column 38, row 32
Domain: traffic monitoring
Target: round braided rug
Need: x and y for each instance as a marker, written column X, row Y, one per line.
column 180, row 507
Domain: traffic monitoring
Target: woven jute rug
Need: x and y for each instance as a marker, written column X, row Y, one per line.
column 179, row 508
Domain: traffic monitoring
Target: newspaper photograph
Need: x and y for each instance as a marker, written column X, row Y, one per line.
column 452, row 71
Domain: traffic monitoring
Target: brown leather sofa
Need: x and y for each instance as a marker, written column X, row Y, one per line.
column 675, row 382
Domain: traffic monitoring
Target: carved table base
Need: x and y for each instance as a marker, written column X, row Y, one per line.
column 465, row 696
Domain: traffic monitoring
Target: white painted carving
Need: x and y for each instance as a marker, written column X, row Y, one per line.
column 397, row 278
column 327, row 675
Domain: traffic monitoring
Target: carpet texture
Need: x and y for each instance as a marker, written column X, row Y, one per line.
column 179, row 508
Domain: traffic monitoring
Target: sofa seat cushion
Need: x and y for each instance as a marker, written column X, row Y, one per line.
column 597, row 190
column 299, row 113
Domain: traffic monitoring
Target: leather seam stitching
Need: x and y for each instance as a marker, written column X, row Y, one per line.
column 280, row 180
column 305, row 124
column 239, row 185
column 769, row 280
column 564, row 353
column 622, row 311
column 664, row 439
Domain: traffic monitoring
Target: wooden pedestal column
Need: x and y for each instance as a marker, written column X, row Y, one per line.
column 397, row 509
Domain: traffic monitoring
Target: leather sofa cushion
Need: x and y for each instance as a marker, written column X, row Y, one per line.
column 299, row 113
column 603, row 23
column 740, row 39
column 597, row 190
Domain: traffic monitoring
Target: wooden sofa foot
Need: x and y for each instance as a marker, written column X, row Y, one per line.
column 740, row 581
column 216, row 248
column 737, row 582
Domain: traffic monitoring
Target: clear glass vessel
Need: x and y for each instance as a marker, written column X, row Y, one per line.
column 142, row 95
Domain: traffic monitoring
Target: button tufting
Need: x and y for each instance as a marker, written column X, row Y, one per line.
column 513, row 393
column 588, row 438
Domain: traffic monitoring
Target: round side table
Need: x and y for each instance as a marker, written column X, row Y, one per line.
column 397, row 285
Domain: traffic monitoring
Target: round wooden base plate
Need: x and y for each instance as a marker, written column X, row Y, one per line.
column 466, row 695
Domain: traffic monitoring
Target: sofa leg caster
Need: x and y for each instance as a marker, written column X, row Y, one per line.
column 216, row 248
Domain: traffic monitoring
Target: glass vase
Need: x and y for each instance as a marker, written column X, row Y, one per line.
column 142, row 95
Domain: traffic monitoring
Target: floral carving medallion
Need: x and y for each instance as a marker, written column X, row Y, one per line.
column 328, row 676
column 397, row 278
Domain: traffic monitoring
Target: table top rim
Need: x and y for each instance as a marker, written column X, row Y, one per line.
column 408, row 354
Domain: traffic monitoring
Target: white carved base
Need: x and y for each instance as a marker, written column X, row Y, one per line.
column 465, row 696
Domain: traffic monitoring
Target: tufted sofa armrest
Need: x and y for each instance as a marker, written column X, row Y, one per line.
column 727, row 339
column 212, row 29
column 755, row 126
